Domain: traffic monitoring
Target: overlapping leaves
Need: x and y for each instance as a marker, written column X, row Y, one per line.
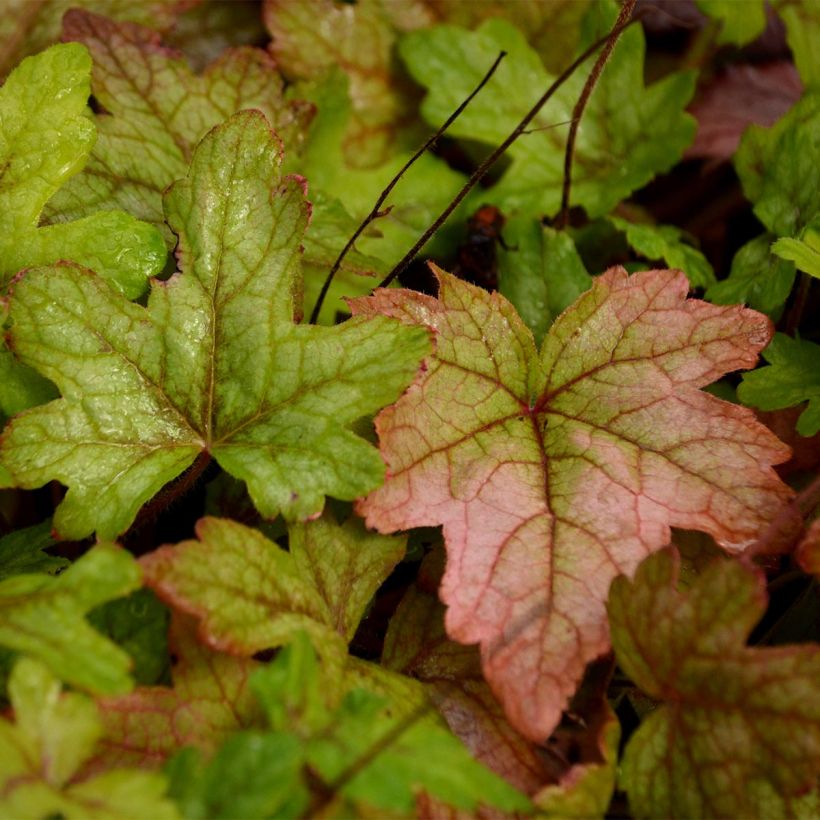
column 554, row 471
column 214, row 365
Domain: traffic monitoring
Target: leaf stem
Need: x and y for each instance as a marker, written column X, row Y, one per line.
column 376, row 212
column 490, row 160
column 589, row 86
column 801, row 297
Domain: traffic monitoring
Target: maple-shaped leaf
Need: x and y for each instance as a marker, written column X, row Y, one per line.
column 791, row 377
column 46, row 135
column 739, row 733
column 757, row 278
column 214, row 365
column 554, row 471
column 155, row 112
column 208, row 700
column 253, row 595
column 43, row 616
column 628, row 134
column 42, row 751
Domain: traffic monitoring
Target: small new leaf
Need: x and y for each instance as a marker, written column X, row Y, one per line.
column 739, row 733
column 213, row 366
column 43, row 616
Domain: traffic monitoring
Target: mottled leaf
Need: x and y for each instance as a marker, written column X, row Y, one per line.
column 791, row 377
column 757, row 278
column 214, row 365
column 155, row 112
column 665, row 243
column 24, row 551
column 43, row 616
column 209, row 699
column 42, row 751
column 738, row 734
column 540, row 272
column 46, row 135
column 553, row 472
column 629, row 132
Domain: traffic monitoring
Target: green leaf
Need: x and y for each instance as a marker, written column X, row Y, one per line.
column 21, row 387
column 252, row 595
column 42, row 752
column 214, row 365
column 791, row 377
column 24, row 551
column 738, row 734
column 540, row 272
column 629, row 132
column 757, row 278
column 42, row 616
column 740, row 23
column 779, row 171
column 802, row 19
column 156, row 111
column 664, row 243
column 46, row 135
column 804, row 252
column 139, row 625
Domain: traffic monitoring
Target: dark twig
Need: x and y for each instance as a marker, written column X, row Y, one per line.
column 488, row 163
column 577, row 112
column 377, row 212
column 801, row 297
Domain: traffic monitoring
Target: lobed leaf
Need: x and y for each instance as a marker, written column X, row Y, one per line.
column 213, row 366
column 554, row 472
column 42, row 752
column 43, row 616
column 739, row 732
column 24, row 551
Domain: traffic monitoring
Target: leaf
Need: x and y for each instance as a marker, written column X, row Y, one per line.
column 252, row 595
column 42, row 616
column 804, row 252
column 777, row 168
column 540, row 272
column 802, row 21
column 791, row 377
column 757, row 278
column 28, row 27
column 209, row 699
column 157, row 110
column 46, row 136
column 629, row 133
column 213, row 366
column 553, row 472
column 738, row 724
column 739, row 24
column 24, row 551
column 663, row 243
column 41, row 753
column 808, row 551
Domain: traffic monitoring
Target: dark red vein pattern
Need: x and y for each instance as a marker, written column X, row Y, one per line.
column 554, row 472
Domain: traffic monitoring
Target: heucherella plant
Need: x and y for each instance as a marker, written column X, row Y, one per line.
column 351, row 468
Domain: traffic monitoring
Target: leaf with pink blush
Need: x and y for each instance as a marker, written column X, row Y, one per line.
column 209, row 699
column 553, row 472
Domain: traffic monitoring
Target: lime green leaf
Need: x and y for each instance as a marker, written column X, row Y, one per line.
column 550, row 470
column 156, row 111
column 665, row 243
column 629, row 132
column 24, row 551
column 791, row 377
column 804, row 252
column 43, row 617
column 540, row 272
column 139, row 625
column 214, row 365
column 778, row 168
column 26, row 27
column 41, row 753
column 46, row 135
column 738, row 724
column 802, row 19
column 21, row 387
column 740, row 22
column 757, row 278
column 208, row 701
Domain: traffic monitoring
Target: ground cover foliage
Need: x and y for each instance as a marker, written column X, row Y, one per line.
column 508, row 513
